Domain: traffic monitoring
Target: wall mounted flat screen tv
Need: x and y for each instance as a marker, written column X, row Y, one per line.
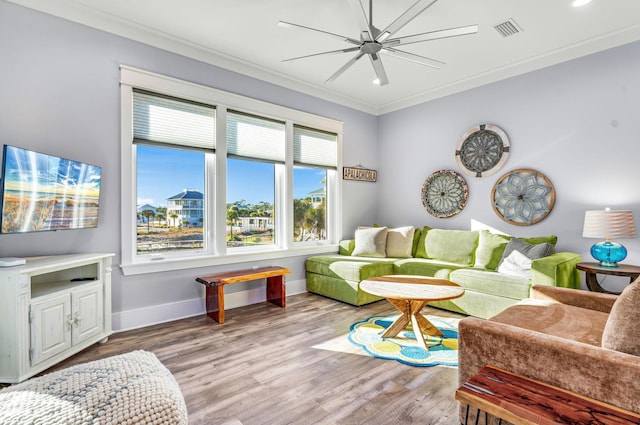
column 44, row 193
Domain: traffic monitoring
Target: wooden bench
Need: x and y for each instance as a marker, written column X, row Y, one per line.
column 521, row 400
column 276, row 288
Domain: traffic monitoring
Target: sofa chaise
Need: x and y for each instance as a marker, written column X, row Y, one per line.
column 585, row 342
column 496, row 270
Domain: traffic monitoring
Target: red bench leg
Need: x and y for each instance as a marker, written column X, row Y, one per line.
column 215, row 302
column 276, row 290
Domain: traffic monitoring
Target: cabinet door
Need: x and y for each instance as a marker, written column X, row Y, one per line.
column 50, row 327
column 88, row 312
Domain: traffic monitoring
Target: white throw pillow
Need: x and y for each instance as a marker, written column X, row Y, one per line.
column 400, row 242
column 516, row 264
column 370, row 242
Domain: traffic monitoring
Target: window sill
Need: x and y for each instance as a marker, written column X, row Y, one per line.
column 235, row 258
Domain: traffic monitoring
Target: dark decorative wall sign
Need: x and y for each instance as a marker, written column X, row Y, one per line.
column 482, row 150
column 523, row 197
column 444, row 193
column 359, row 174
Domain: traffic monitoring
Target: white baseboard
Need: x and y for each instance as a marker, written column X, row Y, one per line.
column 138, row 318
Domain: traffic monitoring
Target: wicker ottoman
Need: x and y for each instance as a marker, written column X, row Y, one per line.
column 132, row 388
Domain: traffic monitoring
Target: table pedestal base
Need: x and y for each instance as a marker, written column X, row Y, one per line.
column 411, row 314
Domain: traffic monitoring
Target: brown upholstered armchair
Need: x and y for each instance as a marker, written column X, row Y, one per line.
column 556, row 337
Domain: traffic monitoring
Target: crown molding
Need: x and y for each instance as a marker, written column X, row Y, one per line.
column 83, row 15
column 73, row 11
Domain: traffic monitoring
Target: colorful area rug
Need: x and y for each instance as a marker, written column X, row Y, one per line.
column 443, row 350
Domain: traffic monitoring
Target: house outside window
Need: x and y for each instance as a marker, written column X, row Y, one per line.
column 220, row 177
column 187, row 207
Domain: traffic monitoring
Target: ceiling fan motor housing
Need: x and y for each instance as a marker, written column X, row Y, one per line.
column 370, row 47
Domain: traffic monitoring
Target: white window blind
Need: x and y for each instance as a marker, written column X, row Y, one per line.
column 167, row 120
column 250, row 136
column 314, row 147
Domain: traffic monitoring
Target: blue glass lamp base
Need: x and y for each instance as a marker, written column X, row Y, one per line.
column 608, row 253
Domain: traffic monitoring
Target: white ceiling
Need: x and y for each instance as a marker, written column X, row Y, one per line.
column 242, row 35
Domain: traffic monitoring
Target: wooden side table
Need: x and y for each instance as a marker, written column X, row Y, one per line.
column 591, row 270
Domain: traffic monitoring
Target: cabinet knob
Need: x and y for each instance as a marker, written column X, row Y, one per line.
column 70, row 321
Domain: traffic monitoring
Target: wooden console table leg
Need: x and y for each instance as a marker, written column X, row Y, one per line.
column 277, row 290
column 215, row 302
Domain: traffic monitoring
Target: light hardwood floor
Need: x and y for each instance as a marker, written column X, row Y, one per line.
column 269, row 365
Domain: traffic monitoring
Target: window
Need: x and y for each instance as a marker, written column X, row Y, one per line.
column 209, row 177
column 255, row 146
column 171, row 138
column 309, row 204
column 250, row 214
column 170, row 197
column 315, row 159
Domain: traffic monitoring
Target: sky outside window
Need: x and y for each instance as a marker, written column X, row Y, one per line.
column 163, row 173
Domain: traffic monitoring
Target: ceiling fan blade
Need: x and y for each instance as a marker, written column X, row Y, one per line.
column 412, row 57
column 408, row 16
column 345, row 67
column 284, row 24
column 361, row 16
column 433, row 35
column 381, row 75
column 332, row 52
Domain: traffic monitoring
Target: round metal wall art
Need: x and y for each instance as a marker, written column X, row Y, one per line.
column 444, row 193
column 523, row 197
column 482, row 150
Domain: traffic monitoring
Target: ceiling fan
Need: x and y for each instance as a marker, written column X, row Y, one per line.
column 373, row 41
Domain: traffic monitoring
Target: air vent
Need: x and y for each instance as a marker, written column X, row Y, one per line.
column 508, row 28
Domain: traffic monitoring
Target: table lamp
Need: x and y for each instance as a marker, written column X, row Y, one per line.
column 607, row 224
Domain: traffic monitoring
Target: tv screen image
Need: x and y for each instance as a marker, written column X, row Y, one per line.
column 43, row 192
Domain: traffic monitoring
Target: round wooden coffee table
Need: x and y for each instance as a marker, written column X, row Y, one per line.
column 410, row 294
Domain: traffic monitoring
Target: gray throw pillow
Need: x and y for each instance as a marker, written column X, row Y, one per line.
column 622, row 331
column 532, row 252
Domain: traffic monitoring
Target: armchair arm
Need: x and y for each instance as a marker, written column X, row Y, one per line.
column 605, row 375
column 575, row 297
column 558, row 269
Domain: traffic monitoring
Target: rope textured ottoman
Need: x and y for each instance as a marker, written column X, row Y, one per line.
column 132, row 388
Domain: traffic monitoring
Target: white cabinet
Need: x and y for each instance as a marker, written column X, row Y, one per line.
column 51, row 308
column 60, row 321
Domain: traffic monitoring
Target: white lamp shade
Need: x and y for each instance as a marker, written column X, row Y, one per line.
column 611, row 224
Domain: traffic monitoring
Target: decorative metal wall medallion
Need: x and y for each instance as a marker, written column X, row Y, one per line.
column 444, row 193
column 483, row 150
column 523, row 197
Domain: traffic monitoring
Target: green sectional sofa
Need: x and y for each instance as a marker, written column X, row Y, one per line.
column 484, row 263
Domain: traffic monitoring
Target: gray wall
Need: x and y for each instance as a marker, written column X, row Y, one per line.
column 60, row 95
column 576, row 122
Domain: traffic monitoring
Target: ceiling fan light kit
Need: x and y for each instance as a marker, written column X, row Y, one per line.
column 374, row 42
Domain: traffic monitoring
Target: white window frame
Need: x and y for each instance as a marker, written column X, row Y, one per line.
column 215, row 176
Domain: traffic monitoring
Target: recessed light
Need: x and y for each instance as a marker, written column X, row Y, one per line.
column 578, row 3
column 376, row 81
